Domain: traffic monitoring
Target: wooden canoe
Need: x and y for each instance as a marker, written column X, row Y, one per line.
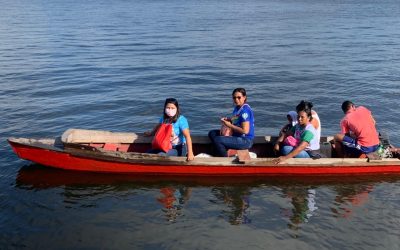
column 108, row 152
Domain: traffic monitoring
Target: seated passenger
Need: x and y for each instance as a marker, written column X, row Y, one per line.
column 180, row 138
column 241, row 123
column 292, row 121
column 359, row 134
column 316, row 122
column 302, row 140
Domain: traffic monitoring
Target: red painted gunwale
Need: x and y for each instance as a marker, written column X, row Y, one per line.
column 64, row 160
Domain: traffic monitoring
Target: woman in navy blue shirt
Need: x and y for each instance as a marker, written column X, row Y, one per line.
column 241, row 123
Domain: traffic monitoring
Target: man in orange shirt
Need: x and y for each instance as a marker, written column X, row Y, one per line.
column 359, row 135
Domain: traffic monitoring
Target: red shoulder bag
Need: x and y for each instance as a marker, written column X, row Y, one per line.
column 162, row 139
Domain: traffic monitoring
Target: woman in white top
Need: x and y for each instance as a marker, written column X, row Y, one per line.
column 306, row 135
column 316, row 122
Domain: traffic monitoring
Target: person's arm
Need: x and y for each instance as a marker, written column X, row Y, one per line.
column 344, row 127
column 186, row 134
column 284, row 129
column 245, row 129
column 303, row 145
column 153, row 131
column 279, row 141
column 315, row 123
column 282, row 137
column 245, row 117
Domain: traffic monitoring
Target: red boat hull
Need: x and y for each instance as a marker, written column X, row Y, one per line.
column 64, row 160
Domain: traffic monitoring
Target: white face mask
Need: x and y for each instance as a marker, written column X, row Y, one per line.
column 170, row 112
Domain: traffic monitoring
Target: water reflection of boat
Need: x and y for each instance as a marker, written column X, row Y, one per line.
column 40, row 177
column 233, row 195
column 303, row 200
column 102, row 151
column 237, row 200
column 173, row 200
column 350, row 197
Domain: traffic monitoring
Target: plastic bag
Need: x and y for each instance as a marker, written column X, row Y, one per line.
column 162, row 139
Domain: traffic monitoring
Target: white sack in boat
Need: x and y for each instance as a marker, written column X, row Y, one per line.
column 97, row 136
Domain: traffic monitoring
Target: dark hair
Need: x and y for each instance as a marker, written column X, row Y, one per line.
column 306, row 107
column 178, row 112
column 346, row 106
column 240, row 90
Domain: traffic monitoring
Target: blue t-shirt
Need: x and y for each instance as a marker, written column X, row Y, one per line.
column 243, row 114
column 177, row 128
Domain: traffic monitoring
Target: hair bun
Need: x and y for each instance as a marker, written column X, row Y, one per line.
column 303, row 105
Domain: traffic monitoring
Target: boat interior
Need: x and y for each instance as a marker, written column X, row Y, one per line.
column 133, row 142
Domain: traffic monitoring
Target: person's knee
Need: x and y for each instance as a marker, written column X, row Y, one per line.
column 286, row 150
column 172, row 152
column 212, row 134
column 303, row 154
column 338, row 137
column 217, row 139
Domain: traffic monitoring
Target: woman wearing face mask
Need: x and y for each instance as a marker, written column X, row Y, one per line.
column 180, row 138
column 241, row 123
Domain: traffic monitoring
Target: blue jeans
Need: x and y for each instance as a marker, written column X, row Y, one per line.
column 223, row 143
column 177, row 150
column 287, row 149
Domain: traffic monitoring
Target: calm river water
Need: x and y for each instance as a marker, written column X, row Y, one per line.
column 110, row 65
